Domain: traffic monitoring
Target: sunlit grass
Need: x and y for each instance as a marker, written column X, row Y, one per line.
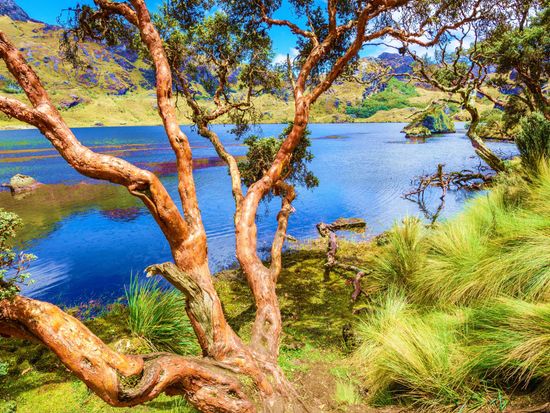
column 460, row 312
column 158, row 316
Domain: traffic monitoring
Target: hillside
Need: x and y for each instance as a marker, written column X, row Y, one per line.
column 116, row 87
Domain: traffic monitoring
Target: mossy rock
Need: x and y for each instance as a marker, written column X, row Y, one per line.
column 433, row 121
column 22, row 183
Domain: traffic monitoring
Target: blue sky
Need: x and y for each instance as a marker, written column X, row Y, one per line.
column 283, row 40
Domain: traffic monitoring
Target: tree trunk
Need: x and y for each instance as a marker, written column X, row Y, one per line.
column 210, row 385
column 481, row 149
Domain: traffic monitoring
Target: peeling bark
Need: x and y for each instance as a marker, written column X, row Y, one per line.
column 211, row 383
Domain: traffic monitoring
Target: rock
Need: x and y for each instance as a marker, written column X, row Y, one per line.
column 21, row 183
column 432, row 121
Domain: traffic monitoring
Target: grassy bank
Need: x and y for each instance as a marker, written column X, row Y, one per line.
column 459, row 316
column 313, row 353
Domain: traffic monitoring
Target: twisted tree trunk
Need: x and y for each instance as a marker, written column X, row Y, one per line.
column 211, row 383
column 480, row 147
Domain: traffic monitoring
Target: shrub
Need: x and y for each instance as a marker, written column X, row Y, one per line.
column 158, row 316
column 534, row 141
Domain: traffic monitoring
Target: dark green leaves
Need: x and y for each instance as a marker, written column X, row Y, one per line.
column 262, row 152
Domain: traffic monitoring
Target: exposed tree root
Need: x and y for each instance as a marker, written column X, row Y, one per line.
column 329, row 231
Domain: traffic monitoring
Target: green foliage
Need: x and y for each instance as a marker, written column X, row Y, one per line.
column 4, row 368
column 11, row 87
column 503, row 124
column 13, row 264
column 534, row 142
column 430, row 121
column 395, row 96
column 460, row 311
column 261, row 154
column 523, row 50
column 158, row 316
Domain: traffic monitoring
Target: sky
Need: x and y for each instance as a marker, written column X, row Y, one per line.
column 284, row 41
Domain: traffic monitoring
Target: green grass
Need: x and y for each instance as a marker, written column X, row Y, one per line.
column 510, row 341
column 396, row 95
column 459, row 315
column 158, row 316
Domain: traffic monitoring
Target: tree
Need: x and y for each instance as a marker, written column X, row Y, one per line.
column 461, row 74
column 214, row 383
column 518, row 49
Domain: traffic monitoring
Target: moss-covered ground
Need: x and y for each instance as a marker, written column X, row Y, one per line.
column 314, row 309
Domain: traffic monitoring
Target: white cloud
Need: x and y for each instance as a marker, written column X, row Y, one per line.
column 280, row 58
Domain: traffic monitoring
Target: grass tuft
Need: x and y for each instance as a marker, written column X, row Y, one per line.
column 158, row 316
column 463, row 319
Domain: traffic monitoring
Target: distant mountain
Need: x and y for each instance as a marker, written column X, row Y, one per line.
column 11, row 9
column 400, row 64
column 114, row 86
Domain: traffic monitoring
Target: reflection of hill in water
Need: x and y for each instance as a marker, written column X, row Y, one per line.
column 48, row 205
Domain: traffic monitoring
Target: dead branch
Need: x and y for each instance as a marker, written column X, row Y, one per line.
column 329, row 231
column 466, row 179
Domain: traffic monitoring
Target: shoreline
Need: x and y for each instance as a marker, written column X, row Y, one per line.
column 133, row 125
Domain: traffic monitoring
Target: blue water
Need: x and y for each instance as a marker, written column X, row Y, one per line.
column 363, row 170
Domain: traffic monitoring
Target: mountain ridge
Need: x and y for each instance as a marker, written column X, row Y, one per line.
column 11, row 9
column 115, row 87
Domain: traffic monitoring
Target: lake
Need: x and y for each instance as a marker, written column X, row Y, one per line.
column 90, row 237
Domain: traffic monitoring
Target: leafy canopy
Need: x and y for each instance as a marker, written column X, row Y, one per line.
column 262, row 152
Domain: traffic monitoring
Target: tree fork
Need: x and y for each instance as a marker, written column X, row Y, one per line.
column 208, row 385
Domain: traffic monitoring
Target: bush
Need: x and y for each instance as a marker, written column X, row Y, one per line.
column 534, row 141
column 158, row 316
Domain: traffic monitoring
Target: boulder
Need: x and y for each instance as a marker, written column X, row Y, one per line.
column 21, row 183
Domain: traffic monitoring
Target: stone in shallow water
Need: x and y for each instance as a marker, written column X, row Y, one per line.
column 22, row 183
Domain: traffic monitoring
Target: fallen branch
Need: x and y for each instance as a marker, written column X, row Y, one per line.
column 329, row 231
column 466, row 179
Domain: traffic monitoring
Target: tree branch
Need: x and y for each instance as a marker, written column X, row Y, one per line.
column 207, row 385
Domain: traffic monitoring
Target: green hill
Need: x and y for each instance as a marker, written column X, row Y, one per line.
column 116, row 87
